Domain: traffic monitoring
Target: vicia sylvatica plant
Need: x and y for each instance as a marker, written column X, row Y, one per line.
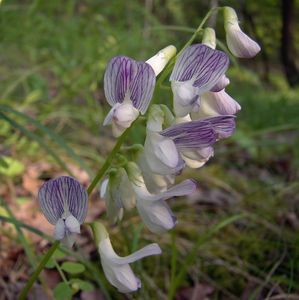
column 177, row 137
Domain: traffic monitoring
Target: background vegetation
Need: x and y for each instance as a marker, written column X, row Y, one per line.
column 237, row 237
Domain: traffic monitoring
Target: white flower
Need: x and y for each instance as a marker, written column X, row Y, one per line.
column 117, row 269
column 239, row 43
column 152, row 208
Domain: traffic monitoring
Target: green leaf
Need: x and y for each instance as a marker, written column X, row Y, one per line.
column 3, row 163
column 13, row 167
column 50, row 264
column 72, row 268
column 78, row 284
column 62, row 291
column 58, row 254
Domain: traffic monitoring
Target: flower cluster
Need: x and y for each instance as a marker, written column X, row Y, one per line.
column 203, row 114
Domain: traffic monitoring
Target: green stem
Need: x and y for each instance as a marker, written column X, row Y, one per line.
column 36, row 273
column 108, row 161
column 60, row 272
column 199, row 28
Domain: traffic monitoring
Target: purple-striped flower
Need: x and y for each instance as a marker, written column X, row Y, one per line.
column 239, row 43
column 129, row 87
column 197, row 70
column 63, row 201
column 164, row 149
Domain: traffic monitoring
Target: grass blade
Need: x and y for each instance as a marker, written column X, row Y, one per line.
column 51, row 134
column 36, row 138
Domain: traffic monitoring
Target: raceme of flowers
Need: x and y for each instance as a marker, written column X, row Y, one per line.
column 204, row 113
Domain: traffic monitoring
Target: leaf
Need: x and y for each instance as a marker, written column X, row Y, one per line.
column 58, row 254
column 62, row 291
column 13, row 167
column 50, row 264
column 78, row 284
column 72, row 268
column 3, row 163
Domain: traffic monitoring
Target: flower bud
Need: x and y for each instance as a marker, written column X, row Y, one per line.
column 240, row 44
column 160, row 60
column 209, row 37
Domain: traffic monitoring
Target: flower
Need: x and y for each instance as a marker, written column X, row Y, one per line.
column 155, row 183
column 239, row 43
column 167, row 151
column 117, row 269
column 197, row 70
column 118, row 194
column 63, row 201
column 161, row 154
column 129, row 87
column 152, row 208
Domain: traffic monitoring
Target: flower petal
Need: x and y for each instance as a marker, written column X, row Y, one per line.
column 142, row 86
column 106, row 247
column 121, row 277
column 215, row 104
column 72, row 224
column 119, row 73
column 221, row 84
column 200, row 133
column 156, row 215
column 201, row 64
column 185, row 97
column 155, row 183
column 161, row 154
column 60, row 195
column 184, row 188
column 224, row 126
column 194, row 134
column 60, row 230
column 197, row 158
column 121, row 115
column 239, row 43
column 127, row 79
